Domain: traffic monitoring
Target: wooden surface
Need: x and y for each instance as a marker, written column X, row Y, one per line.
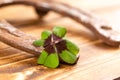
column 97, row 61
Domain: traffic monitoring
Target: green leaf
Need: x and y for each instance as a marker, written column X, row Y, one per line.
column 68, row 57
column 72, row 47
column 59, row 31
column 42, row 57
column 45, row 34
column 38, row 43
column 52, row 61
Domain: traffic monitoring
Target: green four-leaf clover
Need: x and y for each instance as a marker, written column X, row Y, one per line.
column 56, row 48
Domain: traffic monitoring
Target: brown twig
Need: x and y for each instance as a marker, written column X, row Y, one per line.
column 18, row 39
column 102, row 30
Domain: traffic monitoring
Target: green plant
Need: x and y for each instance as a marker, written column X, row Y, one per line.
column 56, row 48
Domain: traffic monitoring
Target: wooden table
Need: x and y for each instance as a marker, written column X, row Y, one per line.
column 97, row 61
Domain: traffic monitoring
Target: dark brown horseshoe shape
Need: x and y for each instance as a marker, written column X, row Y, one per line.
column 102, row 30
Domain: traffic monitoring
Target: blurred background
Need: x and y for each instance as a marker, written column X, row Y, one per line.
column 108, row 10
column 95, row 60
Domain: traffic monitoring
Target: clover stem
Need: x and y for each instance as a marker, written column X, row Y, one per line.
column 55, row 49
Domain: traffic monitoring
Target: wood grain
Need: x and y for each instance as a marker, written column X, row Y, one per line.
column 97, row 61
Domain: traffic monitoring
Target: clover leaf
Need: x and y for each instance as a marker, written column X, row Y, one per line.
column 59, row 31
column 52, row 60
column 45, row 34
column 68, row 57
column 38, row 42
column 72, row 47
column 42, row 57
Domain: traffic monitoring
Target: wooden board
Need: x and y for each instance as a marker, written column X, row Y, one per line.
column 97, row 61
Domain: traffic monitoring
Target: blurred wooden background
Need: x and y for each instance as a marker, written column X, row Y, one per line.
column 97, row 61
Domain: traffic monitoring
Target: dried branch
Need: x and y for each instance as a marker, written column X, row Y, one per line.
column 18, row 39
